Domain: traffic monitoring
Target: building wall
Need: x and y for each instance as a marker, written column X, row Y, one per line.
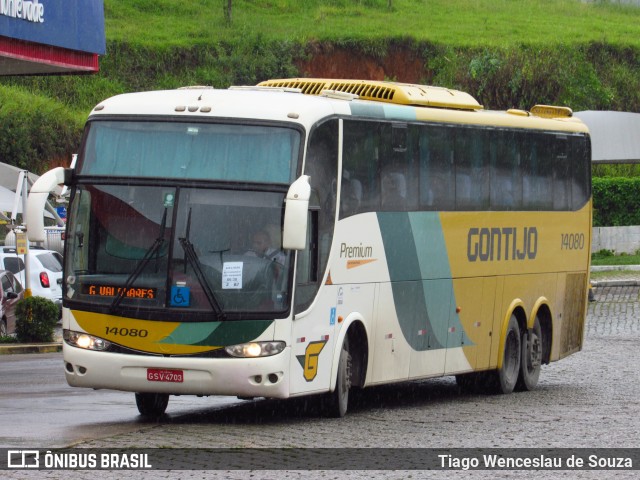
column 617, row 239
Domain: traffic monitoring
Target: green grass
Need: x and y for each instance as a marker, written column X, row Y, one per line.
column 616, row 170
column 608, row 258
column 454, row 23
column 506, row 53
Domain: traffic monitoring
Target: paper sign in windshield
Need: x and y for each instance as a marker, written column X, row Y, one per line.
column 232, row 275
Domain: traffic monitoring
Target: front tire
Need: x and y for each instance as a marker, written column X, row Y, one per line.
column 152, row 405
column 531, row 359
column 337, row 402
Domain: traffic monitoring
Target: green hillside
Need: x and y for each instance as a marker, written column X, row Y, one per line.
column 507, row 53
column 468, row 23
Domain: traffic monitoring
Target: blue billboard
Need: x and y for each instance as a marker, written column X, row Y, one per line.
column 72, row 24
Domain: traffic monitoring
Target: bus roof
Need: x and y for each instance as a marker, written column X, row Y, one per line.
column 305, row 101
column 207, row 102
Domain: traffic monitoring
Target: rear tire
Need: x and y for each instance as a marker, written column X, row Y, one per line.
column 337, row 402
column 506, row 378
column 531, row 359
column 152, row 405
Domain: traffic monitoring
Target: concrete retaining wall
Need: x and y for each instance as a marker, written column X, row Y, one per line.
column 617, row 239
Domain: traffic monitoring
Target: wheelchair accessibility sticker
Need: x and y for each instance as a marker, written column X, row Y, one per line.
column 180, row 296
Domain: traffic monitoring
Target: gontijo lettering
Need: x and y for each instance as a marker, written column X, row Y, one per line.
column 506, row 243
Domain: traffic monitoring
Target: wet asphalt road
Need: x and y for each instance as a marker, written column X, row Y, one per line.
column 588, row 400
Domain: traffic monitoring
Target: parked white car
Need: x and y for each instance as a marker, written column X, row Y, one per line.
column 45, row 267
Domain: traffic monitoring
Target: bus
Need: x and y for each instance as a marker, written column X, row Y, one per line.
column 313, row 236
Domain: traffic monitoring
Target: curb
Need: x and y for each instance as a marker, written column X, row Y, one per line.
column 9, row 349
column 620, row 282
column 616, row 283
column 614, row 268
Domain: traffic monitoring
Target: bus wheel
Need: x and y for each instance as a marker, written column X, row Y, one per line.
column 336, row 402
column 152, row 404
column 507, row 376
column 531, row 359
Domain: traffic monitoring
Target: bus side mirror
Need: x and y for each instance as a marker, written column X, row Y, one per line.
column 294, row 232
column 34, row 218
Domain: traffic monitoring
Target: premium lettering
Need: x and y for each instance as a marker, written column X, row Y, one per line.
column 502, row 244
column 355, row 251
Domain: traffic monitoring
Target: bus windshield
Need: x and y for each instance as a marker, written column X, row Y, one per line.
column 179, row 150
column 142, row 248
column 200, row 231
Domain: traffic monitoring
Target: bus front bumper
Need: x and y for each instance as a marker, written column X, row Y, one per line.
column 242, row 377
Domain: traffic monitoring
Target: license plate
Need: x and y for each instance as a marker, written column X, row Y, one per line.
column 164, row 375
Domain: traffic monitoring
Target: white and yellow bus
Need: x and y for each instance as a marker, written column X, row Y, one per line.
column 309, row 236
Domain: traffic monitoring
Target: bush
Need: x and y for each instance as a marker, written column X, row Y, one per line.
column 8, row 339
column 36, row 318
column 616, row 202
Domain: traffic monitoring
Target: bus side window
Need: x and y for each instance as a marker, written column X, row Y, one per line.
column 350, row 196
column 580, row 172
column 394, row 190
column 472, row 180
column 360, row 175
column 506, row 180
column 561, row 177
column 437, row 179
column 537, row 181
column 307, row 267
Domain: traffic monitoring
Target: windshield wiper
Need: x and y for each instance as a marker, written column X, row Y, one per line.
column 192, row 258
column 154, row 249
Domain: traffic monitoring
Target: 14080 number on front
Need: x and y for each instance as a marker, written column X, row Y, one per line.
column 126, row 332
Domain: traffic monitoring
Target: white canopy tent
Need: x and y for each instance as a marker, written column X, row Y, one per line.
column 10, row 201
column 7, row 199
column 9, row 176
column 615, row 136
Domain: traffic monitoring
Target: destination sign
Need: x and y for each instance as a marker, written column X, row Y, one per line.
column 112, row 291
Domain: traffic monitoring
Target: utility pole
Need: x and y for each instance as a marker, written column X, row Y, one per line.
column 23, row 178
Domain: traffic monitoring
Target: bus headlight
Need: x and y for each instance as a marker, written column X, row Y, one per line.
column 86, row 341
column 255, row 349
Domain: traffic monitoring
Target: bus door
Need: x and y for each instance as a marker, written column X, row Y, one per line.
column 315, row 299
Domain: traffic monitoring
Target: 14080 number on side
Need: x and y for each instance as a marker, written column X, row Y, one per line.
column 572, row 241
